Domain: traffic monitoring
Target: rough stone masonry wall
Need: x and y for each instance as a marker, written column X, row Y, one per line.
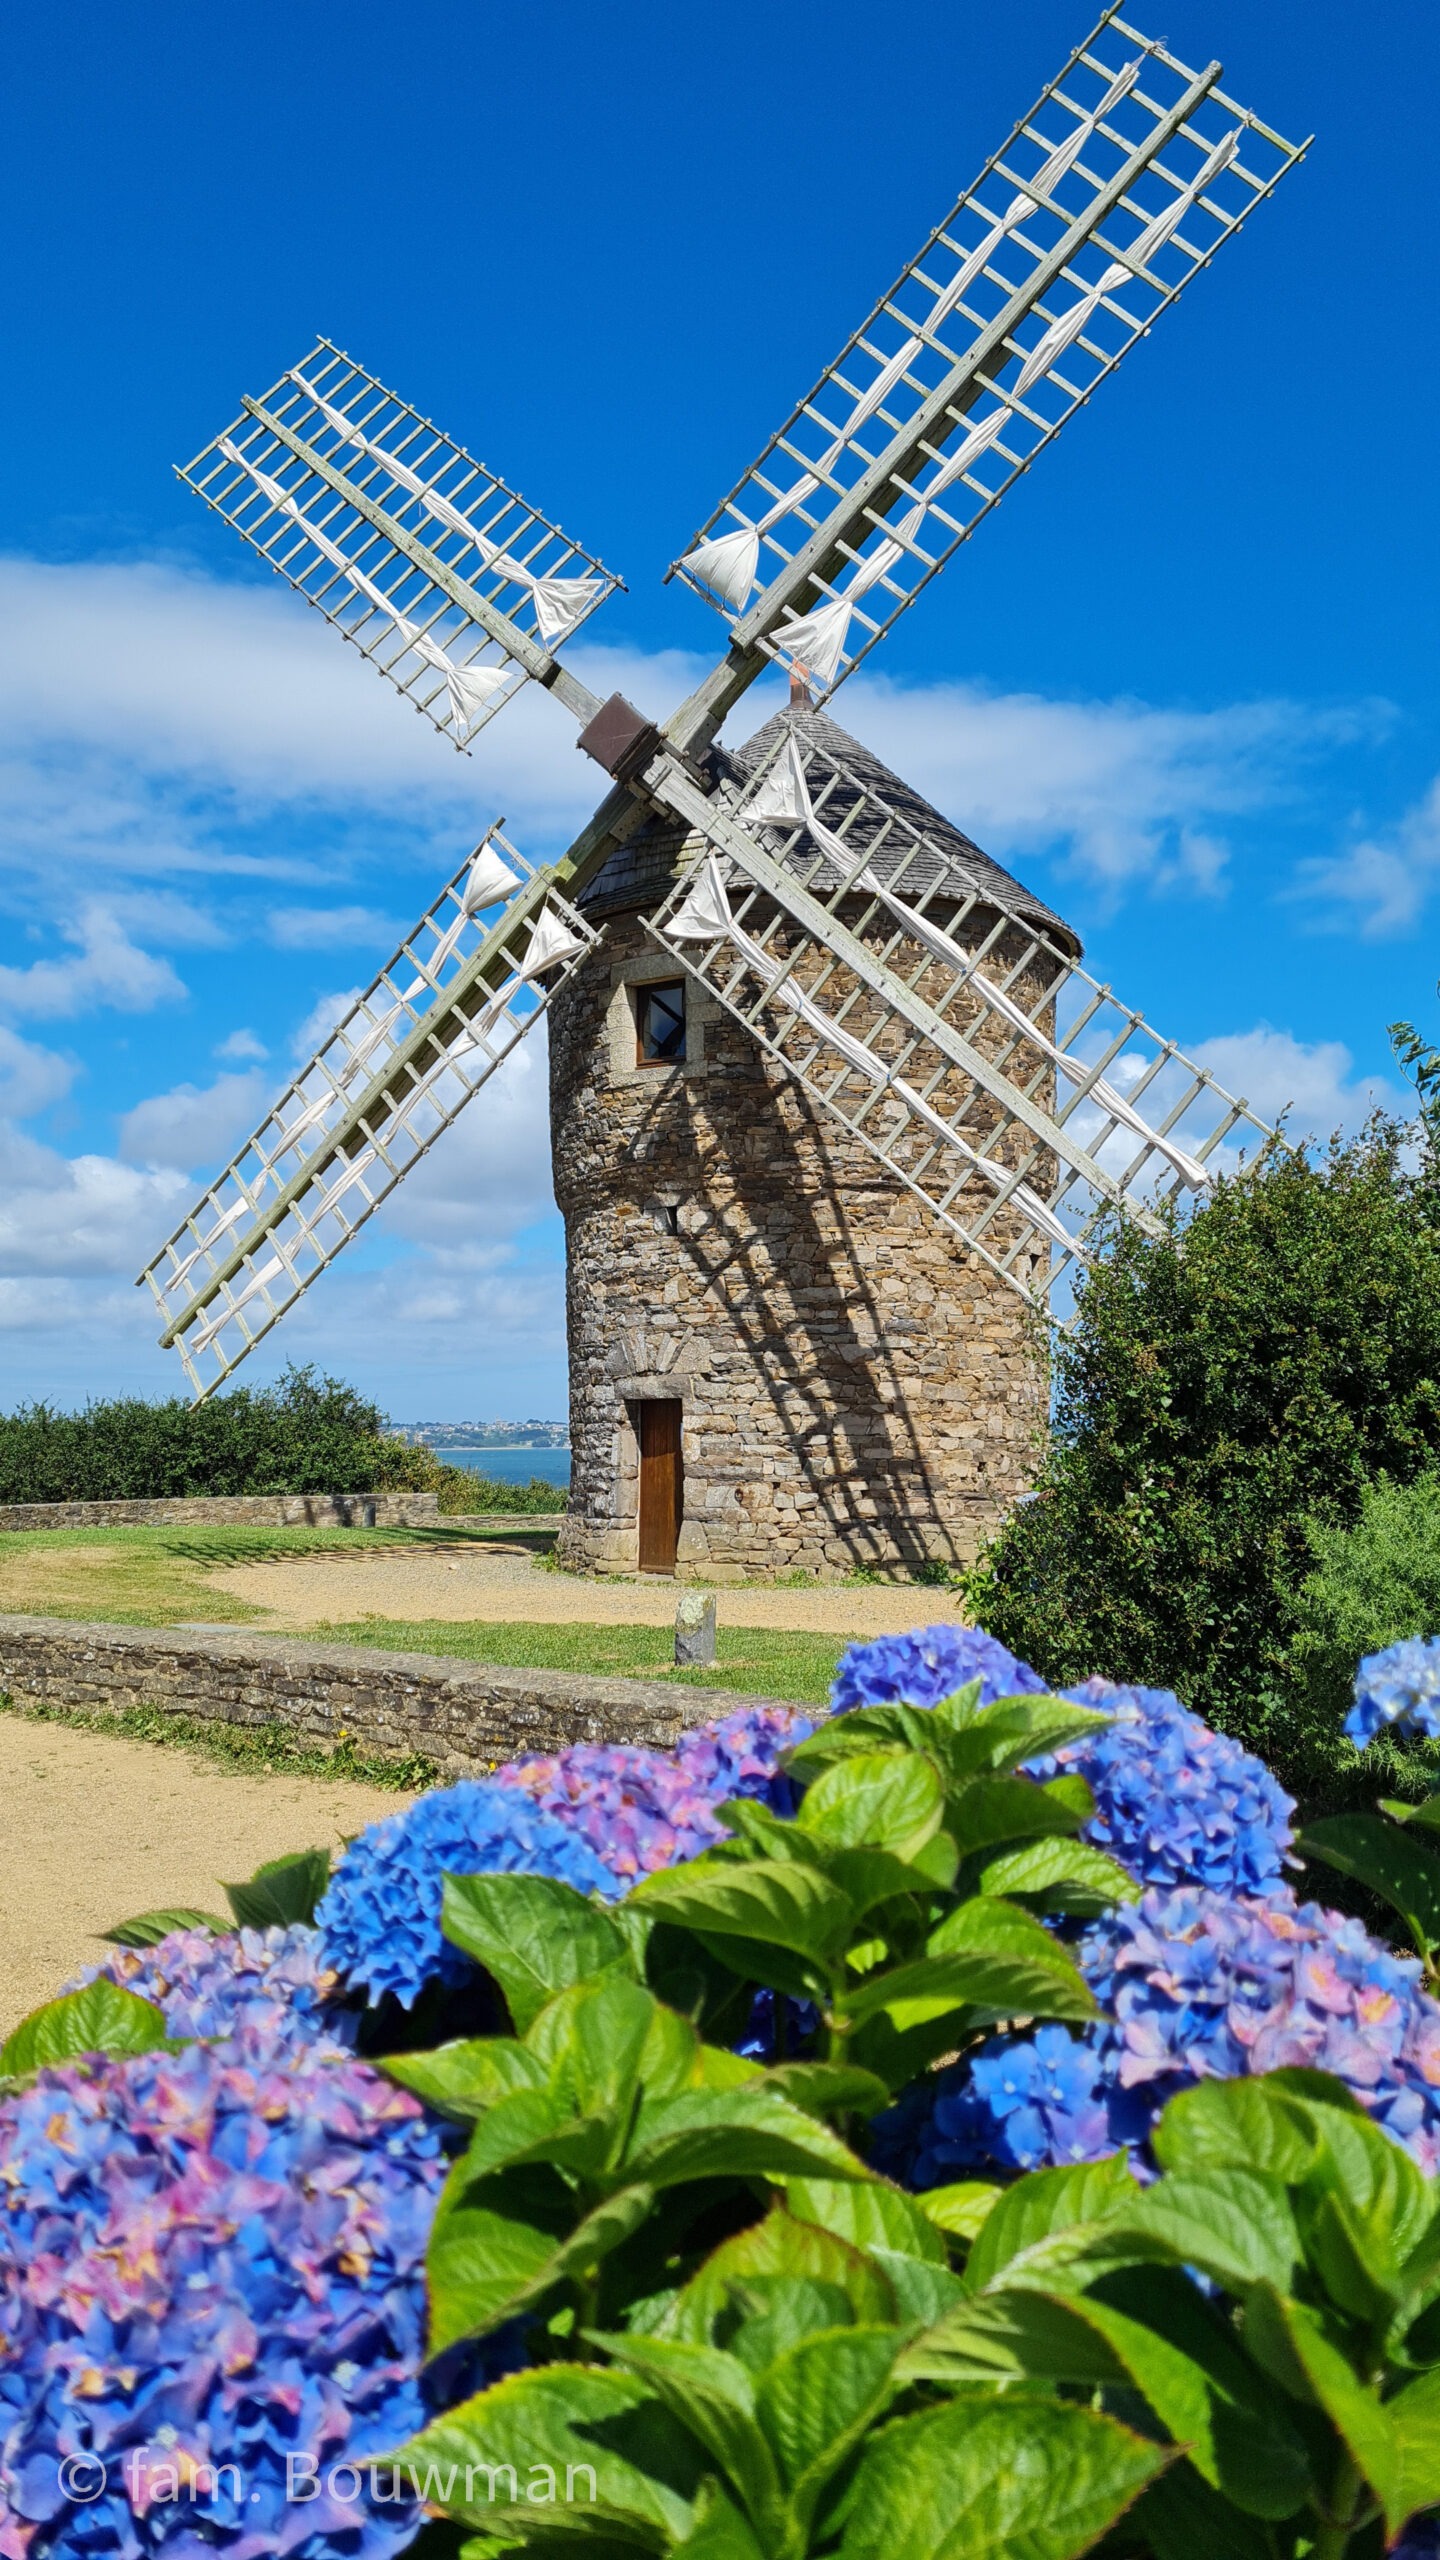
column 229, row 1510
column 856, row 1390
column 465, row 1716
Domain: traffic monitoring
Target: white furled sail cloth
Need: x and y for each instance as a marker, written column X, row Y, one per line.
column 705, row 916
column 470, row 688
column 783, row 799
column 728, row 563
column 1062, row 333
column 559, row 602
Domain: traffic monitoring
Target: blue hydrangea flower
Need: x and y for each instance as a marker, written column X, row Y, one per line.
column 1174, row 1802
column 1400, row 1686
column 271, row 1987
column 207, row 2263
column 927, row 1665
column 1192, row 1985
column 379, row 1922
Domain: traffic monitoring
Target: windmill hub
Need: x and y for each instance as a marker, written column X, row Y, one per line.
column 837, row 1109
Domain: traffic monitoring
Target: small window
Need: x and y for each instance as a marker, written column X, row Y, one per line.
column 660, row 1025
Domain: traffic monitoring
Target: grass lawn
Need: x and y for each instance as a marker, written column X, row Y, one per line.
column 158, row 1577
column 764, row 1660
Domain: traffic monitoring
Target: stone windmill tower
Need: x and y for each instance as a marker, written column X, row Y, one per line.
column 779, row 1360
column 836, row 1107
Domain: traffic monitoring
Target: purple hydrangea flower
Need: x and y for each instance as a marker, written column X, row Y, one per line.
column 271, row 1987
column 927, row 1665
column 1174, row 1802
column 1193, row 1985
column 639, row 1809
column 1400, row 1686
column 379, row 1922
column 207, row 2266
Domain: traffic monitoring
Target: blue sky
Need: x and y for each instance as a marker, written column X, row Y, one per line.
column 1185, row 682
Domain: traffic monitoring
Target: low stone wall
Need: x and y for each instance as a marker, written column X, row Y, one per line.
column 465, row 1716
column 228, row 1510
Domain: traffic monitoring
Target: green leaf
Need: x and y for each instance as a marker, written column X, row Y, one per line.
column 990, row 1925
column 872, row 2216
column 1069, row 1874
column 1048, row 2202
column 1025, row 2477
column 1237, row 2124
column 282, row 1892
column 584, row 2421
column 1233, row 2224
column 1387, row 1860
column 149, row 1927
column 816, row 2401
column 720, row 2531
column 713, row 2396
column 1184, row 2366
column 988, row 1811
column 869, row 1877
column 891, row 1726
column 961, row 2208
column 506, row 2244
column 1414, row 2416
column 828, row 2088
column 989, row 1988
column 100, row 2019
column 792, row 2250
column 1426, row 1816
column 1010, row 1730
column 749, row 2132
column 463, row 2080
column 1355, row 2412
column 791, row 1906
column 535, row 1935
column 880, row 1799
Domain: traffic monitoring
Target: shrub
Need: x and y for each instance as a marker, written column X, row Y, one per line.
column 1374, row 1581
column 306, row 1434
column 460, row 1489
column 1227, row 1385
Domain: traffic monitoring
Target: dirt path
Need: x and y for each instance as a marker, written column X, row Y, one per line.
column 494, row 1582
column 94, row 1828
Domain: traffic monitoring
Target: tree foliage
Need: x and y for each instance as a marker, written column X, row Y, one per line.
column 308, row 1433
column 1249, row 1372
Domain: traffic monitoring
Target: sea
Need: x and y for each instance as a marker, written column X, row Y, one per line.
column 512, row 1466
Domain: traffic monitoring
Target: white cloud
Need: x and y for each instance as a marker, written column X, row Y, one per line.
column 31, row 1078
column 1129, row 793
column 69, row 1217
column 1314, row 1081
column 324, row 928
column 239, row 1045
column 194, row 1128
column 321, row 1019
column 1382, row 884
column 108, row 969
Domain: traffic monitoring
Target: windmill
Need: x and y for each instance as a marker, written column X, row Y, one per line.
column 837, row 1109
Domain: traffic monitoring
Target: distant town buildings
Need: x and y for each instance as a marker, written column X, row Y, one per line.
column 533, row 1434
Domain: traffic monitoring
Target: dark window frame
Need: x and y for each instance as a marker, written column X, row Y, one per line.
column 645, row 994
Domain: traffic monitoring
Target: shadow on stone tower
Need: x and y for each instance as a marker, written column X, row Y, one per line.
column 779, row 1362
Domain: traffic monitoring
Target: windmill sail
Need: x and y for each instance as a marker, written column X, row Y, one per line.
column 956, row 1037
column 460, row 994
column 439, row 573
column 1123, row 181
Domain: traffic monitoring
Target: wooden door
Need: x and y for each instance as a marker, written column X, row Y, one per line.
column 662, row 1484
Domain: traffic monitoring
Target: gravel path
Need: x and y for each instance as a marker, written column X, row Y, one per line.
column 94, row 1828
column 501, row 1582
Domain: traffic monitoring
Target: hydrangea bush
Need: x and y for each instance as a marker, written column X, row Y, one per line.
column 208, row 2263
column 270, row 1986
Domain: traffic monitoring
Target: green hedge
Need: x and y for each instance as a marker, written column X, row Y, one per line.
column 306, row 1434
column 1231, row 1389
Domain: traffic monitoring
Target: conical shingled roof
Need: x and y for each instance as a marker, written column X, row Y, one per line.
column 639, row 873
